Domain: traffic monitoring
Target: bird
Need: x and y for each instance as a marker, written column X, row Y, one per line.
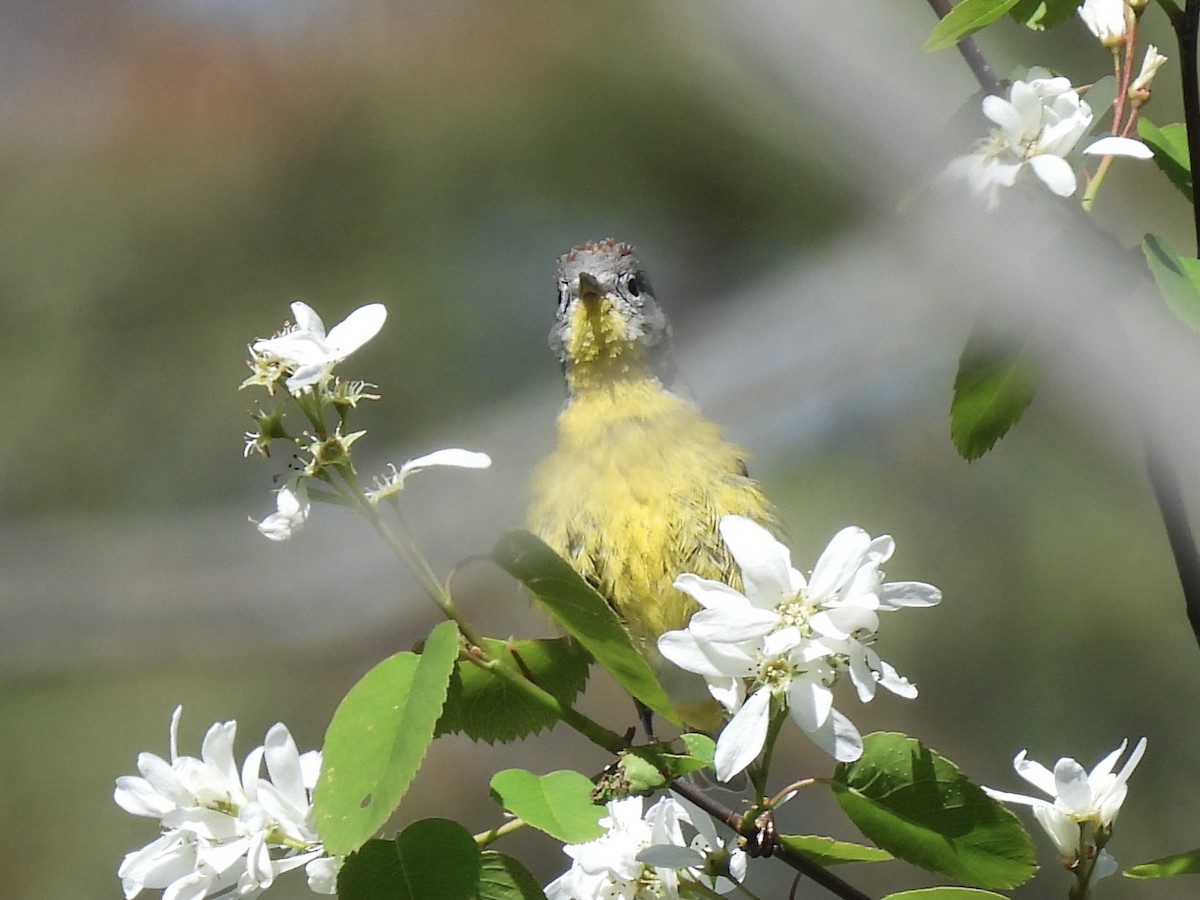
column 633, row 492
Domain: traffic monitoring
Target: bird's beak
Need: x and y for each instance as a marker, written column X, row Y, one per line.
column 590, row 291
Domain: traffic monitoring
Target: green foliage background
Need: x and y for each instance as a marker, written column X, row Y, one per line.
column 174, row 174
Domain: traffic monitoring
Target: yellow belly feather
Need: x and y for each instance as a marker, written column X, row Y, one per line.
column 632, row 497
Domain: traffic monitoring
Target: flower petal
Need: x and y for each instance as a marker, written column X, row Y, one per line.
column 1004, row 114
column 705, row 658
column 1071, row 786
column 838, row 562
column 306, row 319
column 322, row 874
column 1035, row 773
column 355, row 330
column 838, row 737
column 710, row 594
column 744, row 736
column 897, row 594
column 733, row 626
column 1055, row 173
column 809, row 702
column 463, row 459
column 283, row 765
column 1060, row 829
column 291, row 512
column 1119, row 146
column 1006, row 797
column 765, row 563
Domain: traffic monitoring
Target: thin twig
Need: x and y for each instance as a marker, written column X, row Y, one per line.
column 801, row 864
column 1165, row 484
column 1185, row 25
column 971, row 54
column 1163, row 479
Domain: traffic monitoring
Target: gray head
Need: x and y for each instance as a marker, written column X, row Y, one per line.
column 607, row 311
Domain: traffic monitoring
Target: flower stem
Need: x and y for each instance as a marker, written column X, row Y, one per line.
column 1093, row 186
column 487, row 838
column 773, row 728
column 591, row 729
column 1084, row 867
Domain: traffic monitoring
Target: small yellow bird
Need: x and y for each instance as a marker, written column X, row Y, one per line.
column 633, row 493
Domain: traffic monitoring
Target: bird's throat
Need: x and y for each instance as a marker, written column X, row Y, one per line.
column 598, row 352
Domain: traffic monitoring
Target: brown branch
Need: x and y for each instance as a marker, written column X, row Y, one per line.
column 750, row 832
column 971, row 54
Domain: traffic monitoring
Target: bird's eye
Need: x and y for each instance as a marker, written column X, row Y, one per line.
column 632, row 286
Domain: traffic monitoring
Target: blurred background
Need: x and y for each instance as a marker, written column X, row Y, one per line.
column 175, row 173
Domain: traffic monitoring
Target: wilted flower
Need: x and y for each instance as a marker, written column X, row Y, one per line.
column 291, row 511
column 224, row 829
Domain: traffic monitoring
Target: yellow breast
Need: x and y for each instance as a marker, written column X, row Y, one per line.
column 632, row 497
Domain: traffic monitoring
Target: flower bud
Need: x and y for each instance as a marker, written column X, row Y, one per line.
column 1153, row 61
column 1106, row 19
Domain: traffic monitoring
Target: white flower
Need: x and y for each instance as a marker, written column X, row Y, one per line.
column 307, row 352
column 224, row 828
column 394, row 482
column 1039, row 124
column 645, row 857
column 1106, row 19
column 1077, row 798
column 1151, row 63
column 785, row 639
column 291, row 511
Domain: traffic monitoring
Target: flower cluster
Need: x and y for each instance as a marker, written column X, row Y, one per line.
column 302, row 358
column 1079, row 801
column 223, row 828
column 1038, row 126
column 645, row 857
column 783, row 641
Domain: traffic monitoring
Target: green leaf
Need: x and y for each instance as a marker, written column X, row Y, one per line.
column 1169, row 144
column 433, row 859
column 487, row 708
column 503, row 878
column 918, row 806
column 559, row 804
column 699, row 745
column 994, row 384
column 1176, row 864
column 826, row 851
column 966, row 17
column 1178, row 279
column 583, row 612
column 641, row 770
column 1041, row 15
column 377, row 738
column 945, row 893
